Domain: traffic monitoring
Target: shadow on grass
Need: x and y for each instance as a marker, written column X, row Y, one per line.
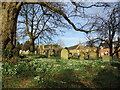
column 116, row 65
column 107, row 78
column 65, row 79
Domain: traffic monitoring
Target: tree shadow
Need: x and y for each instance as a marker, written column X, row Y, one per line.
column 107, row 78
column 115, row 64
column 65, row 79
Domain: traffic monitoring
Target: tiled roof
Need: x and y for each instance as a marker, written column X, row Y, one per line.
column 78, row 47
column 73, row 47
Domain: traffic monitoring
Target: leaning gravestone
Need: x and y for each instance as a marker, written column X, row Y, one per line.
column 64, row 54
column 27, row 52
column 23, row 52
column 119, row 54
column 86, row 57
column 92, row 55
column 48, row 53
column 52, row 52
column 75, row 55
column 81, row 56
column 106, row 58
column 35, row 52
column 20, row 52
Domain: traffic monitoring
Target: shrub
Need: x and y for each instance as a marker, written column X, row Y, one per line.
column 42, row 56
column 7, row 53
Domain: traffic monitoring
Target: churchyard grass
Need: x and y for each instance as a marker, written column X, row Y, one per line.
column 58, row 73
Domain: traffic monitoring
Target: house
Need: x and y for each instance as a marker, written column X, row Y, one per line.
column 79, row 48
column 104, row 49
column 53, row 48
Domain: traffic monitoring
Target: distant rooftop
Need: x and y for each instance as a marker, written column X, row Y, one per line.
column 78, row 47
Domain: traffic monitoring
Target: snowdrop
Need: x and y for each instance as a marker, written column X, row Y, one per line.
column 102, row 66
column 37, row 78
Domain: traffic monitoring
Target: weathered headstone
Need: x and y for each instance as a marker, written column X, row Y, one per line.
column 81, row 57
column 106, row 58
column 92, row 55
column 23, row 52
column 35, row 52
column 20, row 52
column 86, row 57
column 27, row 52
column 119, row 54
column 64, row 54
column 51, row 52
column 75, row 55
column 70, row 55
column 48, row 53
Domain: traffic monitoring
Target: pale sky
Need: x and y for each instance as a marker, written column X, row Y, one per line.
column 72, row 37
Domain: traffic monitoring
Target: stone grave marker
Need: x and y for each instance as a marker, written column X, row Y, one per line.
column 48, row 53
column 70, row 55
column 86, row 57
column 92, row 55
column 119, row 54
column 106, row 58
column 35, row 52
column 75, row 55
column 64, row 54
column 27, row 52
column 51, row 52
column 23, row 52
column 81, row 57
column 20, row 52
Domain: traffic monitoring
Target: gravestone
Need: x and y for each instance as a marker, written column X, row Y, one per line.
column 64, row 54
column 106, row 58
column 75, row 55
column 23, row 52
column 70, row 55
column 52, row 52
column 81, row 57
column 35, row 52
column 20, row 52
column 27, row 52
column 86, row 57
column 119, row 54
column 92, row 55
column 48, row 53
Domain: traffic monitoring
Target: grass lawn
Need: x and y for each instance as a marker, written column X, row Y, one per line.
column 57, row 73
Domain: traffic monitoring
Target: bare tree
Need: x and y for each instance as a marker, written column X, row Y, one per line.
column 61, row 43
column 36, row 24
column 10, row 12
column 107, row 28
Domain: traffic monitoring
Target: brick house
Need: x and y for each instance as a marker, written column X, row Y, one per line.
column 79, row 48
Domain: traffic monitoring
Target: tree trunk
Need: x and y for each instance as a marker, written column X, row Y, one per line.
column 9, row 23
column 32, row 45
column 111, row 48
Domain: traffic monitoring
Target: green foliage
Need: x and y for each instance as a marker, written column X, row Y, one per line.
column 65, row 73
column 46, row 46
column 54, row 57
column 106, row 77
column 42, row 56
column 26, row 45
column 55, row 45
column 7, row 53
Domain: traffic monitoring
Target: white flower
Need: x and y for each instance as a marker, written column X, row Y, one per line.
column 76, row 69
column 93, row 65
column 102, row 66
column 70, row 64
column 38, row 69
column 115, row 67
column 37, row 78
